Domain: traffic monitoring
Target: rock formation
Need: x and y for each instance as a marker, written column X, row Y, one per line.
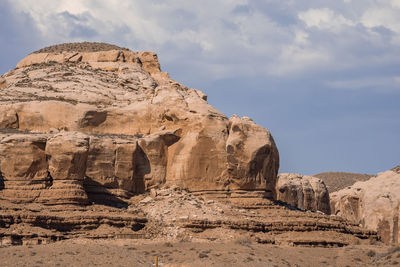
column 23, row 167
column 112, row 125
column 87, row 128
column 303, row 192
column 374, row 204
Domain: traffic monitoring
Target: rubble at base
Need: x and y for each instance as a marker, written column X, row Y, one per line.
column 173, row 214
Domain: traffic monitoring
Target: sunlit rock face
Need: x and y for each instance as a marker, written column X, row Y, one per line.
column 303, row 192
column 94, row 122
column 374, row 203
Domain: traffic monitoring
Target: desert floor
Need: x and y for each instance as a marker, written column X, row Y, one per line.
column 124, row 252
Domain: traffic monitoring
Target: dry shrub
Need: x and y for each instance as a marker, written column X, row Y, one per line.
column 244, row 241
column 371, row 253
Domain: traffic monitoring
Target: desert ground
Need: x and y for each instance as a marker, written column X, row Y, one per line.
column 105, row 160
column 241, row 252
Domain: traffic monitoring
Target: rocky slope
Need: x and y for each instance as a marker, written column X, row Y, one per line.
column 173, row 214
column 374, row 204
column 88, row 130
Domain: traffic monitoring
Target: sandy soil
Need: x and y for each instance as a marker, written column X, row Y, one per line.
column 129, row 252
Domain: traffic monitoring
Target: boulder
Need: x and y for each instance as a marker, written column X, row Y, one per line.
column 252, row 156
column 110, row 167
column 8, row 118
column 23, row 167
column 67, row 154
column 303, row 192
column 149, row 62
column 3, row 82
column 373, row 203
column 198, row 161
column 153, row 159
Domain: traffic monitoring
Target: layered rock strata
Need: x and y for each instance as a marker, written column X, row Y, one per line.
column 23, row 167
column 76, row 168
column 174, row 214
column 142, row 129
column 88, row 124
column 373, row 203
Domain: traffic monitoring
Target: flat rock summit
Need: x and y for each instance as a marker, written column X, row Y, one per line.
column 96, row 141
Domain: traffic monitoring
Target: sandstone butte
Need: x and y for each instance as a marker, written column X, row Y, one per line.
column 92, row 129
column 116, row 119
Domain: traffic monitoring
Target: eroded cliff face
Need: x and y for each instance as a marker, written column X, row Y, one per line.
column 80, row 126
column 374, row 204
column 88, row 124
column 303, row 192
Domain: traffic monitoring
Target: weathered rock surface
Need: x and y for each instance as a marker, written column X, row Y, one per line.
column 177, row 215
column 87, row 124
column 67, row 155
column 23, row 167
column 142, row 128
column 2, row 82
column 110, row 167
column 74, row 168
column 374, row 204
column 303, row 192
column 253, row 159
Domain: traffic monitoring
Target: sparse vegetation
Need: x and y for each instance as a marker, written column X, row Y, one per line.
column 371, row 253
column 396, row 169
column 79, row 47
column 244, row 241
column 169, row 245
column 249, row 259
column 203, row 255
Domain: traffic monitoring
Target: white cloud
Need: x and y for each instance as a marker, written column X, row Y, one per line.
column 387, row 16
column 397, row 80
column 324, row 18
column 231, row 38
column 374, row 83
column 294, row 59
column 301, row 37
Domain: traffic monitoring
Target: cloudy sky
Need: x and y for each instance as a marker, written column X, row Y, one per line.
column 322, row 76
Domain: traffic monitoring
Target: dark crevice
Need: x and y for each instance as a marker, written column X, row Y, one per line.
column 49, row 180
column 17, row 120
column 1, row 181
column 138, row 227
column 99, row 194
column 142, row 167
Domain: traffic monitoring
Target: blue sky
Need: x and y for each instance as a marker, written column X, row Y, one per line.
column 322, row 76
